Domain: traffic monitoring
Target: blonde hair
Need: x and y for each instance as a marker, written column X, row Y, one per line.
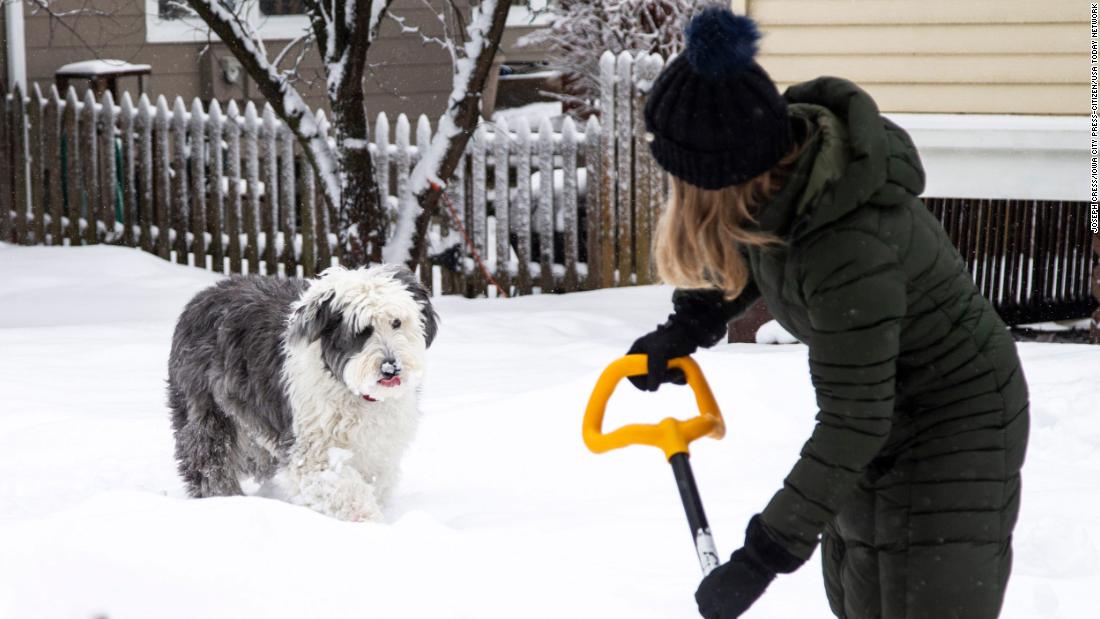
column 700, row 230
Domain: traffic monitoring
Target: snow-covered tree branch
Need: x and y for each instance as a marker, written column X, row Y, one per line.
column 276, row 88
column 472, row 62
column 343, row 32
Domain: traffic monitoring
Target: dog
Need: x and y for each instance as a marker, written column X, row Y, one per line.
column 309, row 385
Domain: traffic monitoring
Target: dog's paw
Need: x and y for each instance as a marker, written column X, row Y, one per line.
column 356, row 504
column 338, row 491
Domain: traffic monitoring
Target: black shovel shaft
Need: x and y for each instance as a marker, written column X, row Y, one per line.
column 689, row 493
column 693, row 509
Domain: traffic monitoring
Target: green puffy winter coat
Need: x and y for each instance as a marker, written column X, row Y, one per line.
column 911, row 477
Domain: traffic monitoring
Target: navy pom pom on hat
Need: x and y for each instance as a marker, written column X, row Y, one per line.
column 715, row 116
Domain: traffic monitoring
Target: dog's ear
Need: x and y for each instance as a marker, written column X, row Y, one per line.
column 310, row 319
column 423, row 299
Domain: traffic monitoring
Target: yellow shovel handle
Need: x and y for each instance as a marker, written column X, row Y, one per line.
column 670, row 435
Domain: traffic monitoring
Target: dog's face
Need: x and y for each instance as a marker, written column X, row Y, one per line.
column 372, row 327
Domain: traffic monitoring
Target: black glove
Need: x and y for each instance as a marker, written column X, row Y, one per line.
column 667, row 341
column 698, row 321
column 731, row 589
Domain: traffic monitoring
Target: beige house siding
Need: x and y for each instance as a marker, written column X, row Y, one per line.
column 408, row 76
column 935, row 56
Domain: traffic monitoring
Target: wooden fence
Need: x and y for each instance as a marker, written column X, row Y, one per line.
column 229, row 190
column 547, row 208
column 1034, row 259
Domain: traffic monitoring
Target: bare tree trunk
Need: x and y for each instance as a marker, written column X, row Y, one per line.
column 361, row 217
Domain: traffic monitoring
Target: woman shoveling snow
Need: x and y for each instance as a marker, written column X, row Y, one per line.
column 911, row 478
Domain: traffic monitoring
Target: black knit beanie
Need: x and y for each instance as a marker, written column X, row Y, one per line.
column 714, row 116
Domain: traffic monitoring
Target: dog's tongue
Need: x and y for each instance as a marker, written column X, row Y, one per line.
column 390, row 382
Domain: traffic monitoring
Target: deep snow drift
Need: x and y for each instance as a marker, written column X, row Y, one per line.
column 501, row 512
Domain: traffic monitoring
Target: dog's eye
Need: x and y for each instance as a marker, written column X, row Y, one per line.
column 396, row 323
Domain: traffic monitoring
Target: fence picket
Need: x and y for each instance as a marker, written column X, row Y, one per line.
column 52, row 157
column 181, row 205
column 7, row 169
column 1064, row 250
column 163, row 180
column 36, row 153
column 545, row 212
column 658, row 192
column 129, row 195
column 215, row 195
column 145, row 173
column 457, row 191
column 404, row 166
column 270, row 215
column 381, row 159
column 569, row 202
column 1085, row 240
column 233, row 185
column 287, row 199
column 647, row 175
column 19, row 177
column 477, row 230
column 309, row 230
column 1071, row 275
column 501, row 141
column 521, row 211
column 608, row 163
column 1012, row 253
column 70, row 177
column 624, row 211
column 593, row 202
column 336, row 224
column 108, row 182
column 999, row 243
column 251, row 205
column 89, row 166
column 196, row 169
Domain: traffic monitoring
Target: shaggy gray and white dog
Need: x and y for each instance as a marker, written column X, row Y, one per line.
column 311, row 385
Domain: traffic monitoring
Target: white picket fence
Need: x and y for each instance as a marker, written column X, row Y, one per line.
column 227, row 189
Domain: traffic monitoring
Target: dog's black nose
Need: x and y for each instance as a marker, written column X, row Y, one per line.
column 390, row 368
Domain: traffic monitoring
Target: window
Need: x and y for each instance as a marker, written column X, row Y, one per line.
column 171, row 21
column 282, row 7
column 527, row 13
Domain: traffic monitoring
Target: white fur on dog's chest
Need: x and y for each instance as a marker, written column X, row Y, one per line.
column 334, row 429
column 377, row 442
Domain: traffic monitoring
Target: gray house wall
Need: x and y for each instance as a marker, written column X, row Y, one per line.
column 407, row 75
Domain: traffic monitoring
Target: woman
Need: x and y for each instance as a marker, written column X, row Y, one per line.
column 911, row 478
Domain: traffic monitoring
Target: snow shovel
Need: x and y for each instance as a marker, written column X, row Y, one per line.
column 670, row 435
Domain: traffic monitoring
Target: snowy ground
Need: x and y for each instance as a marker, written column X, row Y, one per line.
column 502, row 512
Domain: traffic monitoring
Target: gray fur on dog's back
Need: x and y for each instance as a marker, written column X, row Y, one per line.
column 230, row 413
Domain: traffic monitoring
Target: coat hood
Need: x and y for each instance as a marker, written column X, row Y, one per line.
column 854, row 157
